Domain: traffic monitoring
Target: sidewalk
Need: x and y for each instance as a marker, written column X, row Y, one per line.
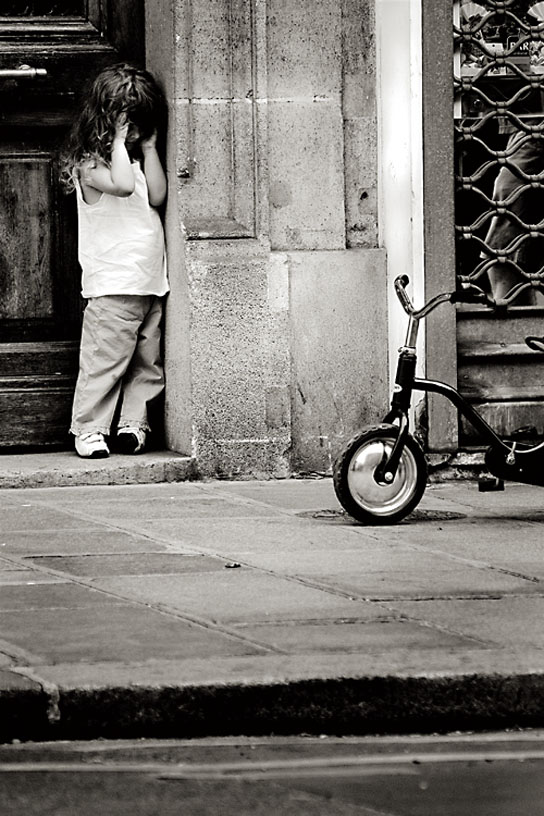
column 206, row 608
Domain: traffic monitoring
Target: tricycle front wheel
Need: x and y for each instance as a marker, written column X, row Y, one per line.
column 357, row 490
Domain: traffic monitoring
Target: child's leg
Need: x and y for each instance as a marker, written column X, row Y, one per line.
column 109, row 337
column 144, row 379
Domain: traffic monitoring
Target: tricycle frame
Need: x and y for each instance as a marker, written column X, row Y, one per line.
column 406, row 382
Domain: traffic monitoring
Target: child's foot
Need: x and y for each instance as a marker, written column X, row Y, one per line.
column 131, row 440
column 92, row 445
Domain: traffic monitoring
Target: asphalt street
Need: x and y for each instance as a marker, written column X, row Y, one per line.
column 471, row 775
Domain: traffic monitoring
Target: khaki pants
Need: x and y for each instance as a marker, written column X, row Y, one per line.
column 120, row 358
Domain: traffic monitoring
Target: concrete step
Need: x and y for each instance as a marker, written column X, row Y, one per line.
column 66, row 469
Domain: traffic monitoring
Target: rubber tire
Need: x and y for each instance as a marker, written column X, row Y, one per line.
column 412, row 466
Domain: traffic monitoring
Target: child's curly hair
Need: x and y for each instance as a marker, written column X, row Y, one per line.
column 118, row 89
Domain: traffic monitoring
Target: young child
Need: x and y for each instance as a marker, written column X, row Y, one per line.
column 112, row 163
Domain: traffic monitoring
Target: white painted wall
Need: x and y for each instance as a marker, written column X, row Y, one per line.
column 398, row 29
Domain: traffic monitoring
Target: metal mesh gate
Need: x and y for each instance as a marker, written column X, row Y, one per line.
column 499, row 83
column 499, row 208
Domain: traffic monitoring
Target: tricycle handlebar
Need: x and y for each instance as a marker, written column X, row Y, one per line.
column 469, row 293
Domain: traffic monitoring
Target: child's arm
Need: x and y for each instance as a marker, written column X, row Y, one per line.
column 118, row 178
column 154, row 174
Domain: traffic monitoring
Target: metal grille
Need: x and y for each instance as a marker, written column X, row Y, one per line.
column 499, row 124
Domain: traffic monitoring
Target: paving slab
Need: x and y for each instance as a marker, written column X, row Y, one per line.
column 170, row 507
column 474, row 529
column 282, row 533
column 28, row 516
column 233, row 595
column 117, row 632
column 352, row 636
column 29, row 577
column 61, row 595
column 308, row 493
column 520, row 551
column 80, row 540
column 378, row 571
column 512, row 621
column 127, row 564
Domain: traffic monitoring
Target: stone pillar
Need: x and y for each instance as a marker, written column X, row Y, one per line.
column 238, row 306
column 323, row 172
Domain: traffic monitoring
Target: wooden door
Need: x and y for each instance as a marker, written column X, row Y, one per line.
column 67, row 43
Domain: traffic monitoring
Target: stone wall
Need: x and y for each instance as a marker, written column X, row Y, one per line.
column 276, row 336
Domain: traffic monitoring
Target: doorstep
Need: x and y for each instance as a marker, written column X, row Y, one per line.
column 66, row 469
column 463, row 465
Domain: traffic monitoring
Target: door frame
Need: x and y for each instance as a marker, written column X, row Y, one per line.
column 416, row 217
column 168, row 58
column 439, row 213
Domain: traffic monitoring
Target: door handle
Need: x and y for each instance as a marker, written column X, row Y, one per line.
column 22, row 72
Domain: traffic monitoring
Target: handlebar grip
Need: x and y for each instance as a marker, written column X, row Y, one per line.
column 400, row 288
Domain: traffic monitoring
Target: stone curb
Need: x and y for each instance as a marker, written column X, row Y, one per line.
column 340, row 707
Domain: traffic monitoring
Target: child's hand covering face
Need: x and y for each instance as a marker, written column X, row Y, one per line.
column 121, row 127
column 150, row 142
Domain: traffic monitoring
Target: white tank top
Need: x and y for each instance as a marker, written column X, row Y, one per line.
column 121, row 244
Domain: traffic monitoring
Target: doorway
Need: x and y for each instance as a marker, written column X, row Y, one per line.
column 499, row 209
column 481, row 79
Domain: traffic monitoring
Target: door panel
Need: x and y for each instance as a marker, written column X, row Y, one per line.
column 23, row 8
column 25, row 233
column 40, row 308
column 498, row 372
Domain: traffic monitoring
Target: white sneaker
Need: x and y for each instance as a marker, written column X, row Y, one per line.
column 131, row 440
column 92, row 445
